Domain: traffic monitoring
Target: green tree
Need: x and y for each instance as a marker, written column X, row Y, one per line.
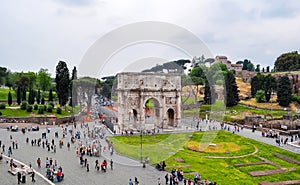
column 270, row 86
column 18, row 95
column 3, row 74
column 43, row 100
column 107, row 84
column 86, row 88
column 50, row 98
column 284, row 91
column 231, row 90
column 245, row 64
column 9, row 99
column 288, row 62
column 62, row 82
column 32, row 79
column 209, row 93
column 73, row 92
column 24, row 95
column 254, row 86
column 31, row 97
column 38, row 97
column 44, row 79
column 257, row 69
column 250, row 67
column 260, row 96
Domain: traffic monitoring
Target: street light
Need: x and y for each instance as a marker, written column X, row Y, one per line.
column 141, row 137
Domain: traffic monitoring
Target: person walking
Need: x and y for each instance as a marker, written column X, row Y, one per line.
column 32, row 175
column 167, row 178
column 158, row 181
column 111, row 164
column 38, row 161
column 19, row 177
column 136, row 182
column 87, row 166
column 130, row 182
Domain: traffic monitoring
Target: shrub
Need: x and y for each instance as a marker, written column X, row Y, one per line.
column 51, row 103
column 35, row 107
column 23, row 105
column 49, row 108
column 58, row 110
column 260, row 96
column 45, row 107
column 2, row 106
column 0, row 113
column 41, row 110
column 29, row 108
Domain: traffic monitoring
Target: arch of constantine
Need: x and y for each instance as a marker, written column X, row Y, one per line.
column 148, row 100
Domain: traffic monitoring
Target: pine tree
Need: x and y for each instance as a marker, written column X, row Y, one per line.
column 50, row 96
column 43, row 100
column 31, row 97
column 269, row 86
column 9, row 99
column 254, row 86
column 38, row 97
column 231, row 90
column 62, row 82
column 23, row 94
column 73, row 92
column 209, row 93
column 284, row 91
column 18, row 95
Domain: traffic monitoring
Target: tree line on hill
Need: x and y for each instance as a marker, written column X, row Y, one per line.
column 263, row 87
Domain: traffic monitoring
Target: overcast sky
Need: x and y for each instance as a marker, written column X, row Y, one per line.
column 37, row 34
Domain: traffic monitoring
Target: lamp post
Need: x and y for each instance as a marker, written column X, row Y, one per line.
column 141, row 137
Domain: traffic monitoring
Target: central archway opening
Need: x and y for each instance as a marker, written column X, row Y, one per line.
column 152, row 111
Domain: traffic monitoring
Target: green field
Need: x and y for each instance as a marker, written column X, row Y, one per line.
column 17, row 112
column 23, row 113
column 194, row 153
column 4, row 94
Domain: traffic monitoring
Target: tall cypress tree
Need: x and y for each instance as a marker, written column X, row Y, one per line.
column 31, row 97
column 209, row 93
column 62, row 82
column 232, row 92
column 38, row 97
column 18, row 95
column 50, row 96
column 254, row 86
column 23, row 94
column 284, row 91
column 9, row 99
column 73, row 92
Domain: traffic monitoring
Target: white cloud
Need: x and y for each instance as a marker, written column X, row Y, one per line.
column 36, row 34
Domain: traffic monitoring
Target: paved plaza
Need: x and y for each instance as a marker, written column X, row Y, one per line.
column 124, row 168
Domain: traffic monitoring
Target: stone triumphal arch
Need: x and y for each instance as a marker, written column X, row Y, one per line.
column 148, row 100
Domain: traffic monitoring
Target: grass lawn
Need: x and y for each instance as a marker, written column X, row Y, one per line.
column 190, row 147
column 17, row 112
column 239, row 112
column 4, row 94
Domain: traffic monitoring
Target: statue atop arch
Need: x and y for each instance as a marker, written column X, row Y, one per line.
column 148, row 100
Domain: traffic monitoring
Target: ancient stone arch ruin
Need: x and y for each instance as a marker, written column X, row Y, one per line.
column 135, row 90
